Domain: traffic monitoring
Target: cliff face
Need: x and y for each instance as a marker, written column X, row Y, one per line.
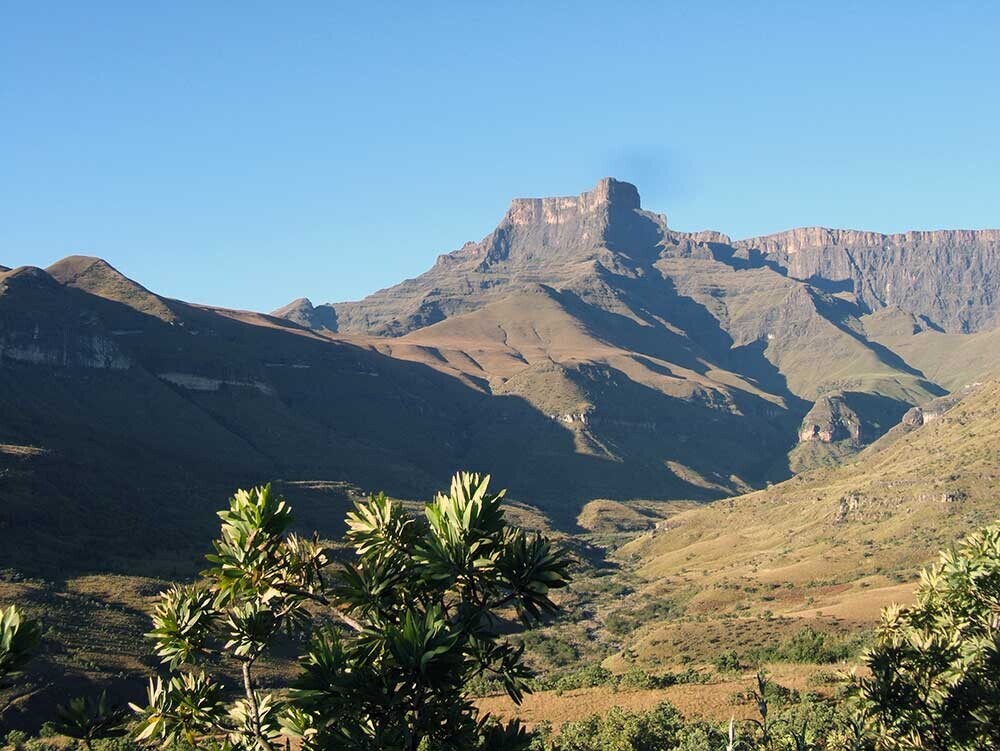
column 539, row 240
column 40, row 325
column 949, row 277
column 550, row 232
column 831, row 420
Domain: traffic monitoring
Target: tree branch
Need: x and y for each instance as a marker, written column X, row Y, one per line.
column 265, row 744
column 291, row 589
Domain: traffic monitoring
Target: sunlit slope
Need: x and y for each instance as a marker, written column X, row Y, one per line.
column 835, row 543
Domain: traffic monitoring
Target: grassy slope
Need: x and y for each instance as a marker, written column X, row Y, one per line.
column 831, row 546
column 953, row 360
column 826, row 550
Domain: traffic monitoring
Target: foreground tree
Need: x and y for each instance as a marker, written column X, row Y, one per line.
column 402, row 628
column 935, row 666
column 19, row 637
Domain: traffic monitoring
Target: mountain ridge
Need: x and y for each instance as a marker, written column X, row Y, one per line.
column 581, row 350
column 790, row 308
column 803, row 253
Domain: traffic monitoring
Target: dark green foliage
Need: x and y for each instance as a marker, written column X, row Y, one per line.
column 88, row 720
column 19, row 637
column 259, row 585
column 618, row 730
column 594, row 675
column 417, row 613
column 935, row 666
column 429, row 595
column 552, row 649
column 807, row 645
column 810, row 645
column 622, row 622
column 728, row 662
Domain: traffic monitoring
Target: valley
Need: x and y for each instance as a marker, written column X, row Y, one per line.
column 746, row 443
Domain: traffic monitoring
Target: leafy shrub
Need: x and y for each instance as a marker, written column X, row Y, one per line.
column 587, row 677
column 935, row 666
column 15, row 738
column 807, row 645
column 416, row 617
column 619, row 730
column 727, row 662
column 19, row 637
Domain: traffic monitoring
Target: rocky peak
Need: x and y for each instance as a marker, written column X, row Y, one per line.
column 98, row 277
column 608, row 196
column 554, row 231
column 300, row 305
column 304, row 313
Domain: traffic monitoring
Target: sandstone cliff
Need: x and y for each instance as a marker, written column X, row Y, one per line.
column 949, row 277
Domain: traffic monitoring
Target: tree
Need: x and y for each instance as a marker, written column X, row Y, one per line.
column 935, row 666
column 88, row 720
column 395, row 634
column 259, row 584
column 19, row 638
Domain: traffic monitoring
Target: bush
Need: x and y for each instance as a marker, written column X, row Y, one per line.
column 15, row 738
column 728, row 662
column 807, row 645
column 619, row 730
column 935, row 666
column 410, row 622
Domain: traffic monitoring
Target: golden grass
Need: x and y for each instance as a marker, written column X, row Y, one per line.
column 831, row 547
column 696, row 701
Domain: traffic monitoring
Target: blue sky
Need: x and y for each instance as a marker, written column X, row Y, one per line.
column 249, row 153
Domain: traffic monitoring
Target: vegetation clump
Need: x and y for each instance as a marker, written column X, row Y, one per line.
column 394, row 636
column 397, row 640
column 935, row 666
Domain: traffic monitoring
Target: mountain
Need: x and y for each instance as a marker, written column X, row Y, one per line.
column 610, row 371
column 774, row 326
column 946, row 277
column 126, row 417
column 830, row 547
column 121, row 410
column 582, row 350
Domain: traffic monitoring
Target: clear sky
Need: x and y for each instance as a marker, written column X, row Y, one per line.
column 246, row 153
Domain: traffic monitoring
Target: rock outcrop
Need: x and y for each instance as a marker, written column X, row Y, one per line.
column 936, row 408
column 304, row 313
column 830, row 420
